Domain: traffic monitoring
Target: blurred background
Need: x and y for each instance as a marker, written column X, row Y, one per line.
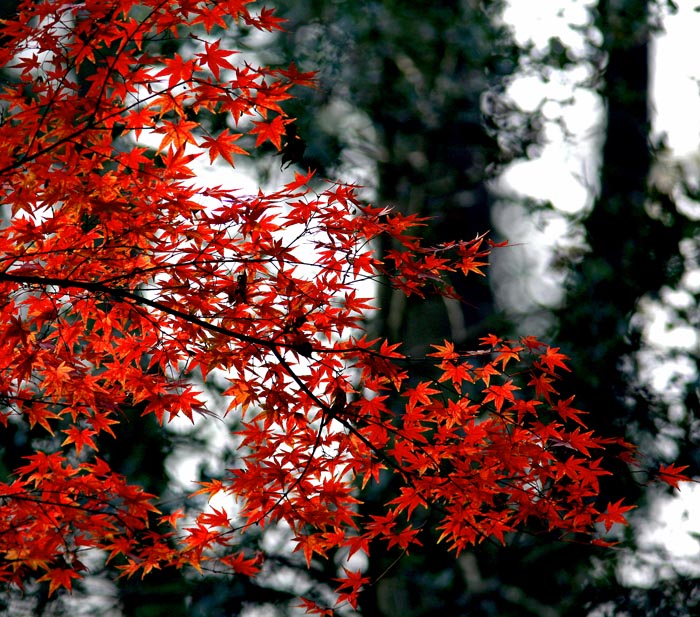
column 569, row 128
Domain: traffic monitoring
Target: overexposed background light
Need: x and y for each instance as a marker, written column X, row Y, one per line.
column 565, row 175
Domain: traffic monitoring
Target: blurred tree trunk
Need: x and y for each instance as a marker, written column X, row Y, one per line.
column 633, row 234
column 606, row 285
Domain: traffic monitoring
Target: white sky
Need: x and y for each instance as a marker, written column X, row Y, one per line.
column 675, row 87
column 562, row 174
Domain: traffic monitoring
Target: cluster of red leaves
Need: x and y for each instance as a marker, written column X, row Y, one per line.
column 122, row 282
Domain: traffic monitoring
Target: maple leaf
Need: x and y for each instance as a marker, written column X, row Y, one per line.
column 671, row 474
column 60, row 577
column 79, row 437
column 177, row 69
column 240, row 564
column 215, row 57
column 38, row 413
column 273, row 130
column 506, row 354
column 499, row 394
column 172, row 518
column 241, row 393
column 137, row 120
column 267, row 20
column 445, row 351
column 301, row 79
column 582, row 441
column 102, row 422
column 217, row 518
column 614, row 513
column 552, row 359
column 543, row 386
column 222, row 146
column 56, row 376
column 484, row 373
column 564, row 409
column 457, row 373
column 349, row 586
column 176, row 133
column 490, row 340
column 312, row 608
column 422, row 393
column 310, row 544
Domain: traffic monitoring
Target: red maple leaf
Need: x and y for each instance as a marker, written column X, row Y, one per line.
column 222, row 146
column 672, row 474
column 614, row 514
column 126, row 286
column 215, row 58
column 273, row 130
